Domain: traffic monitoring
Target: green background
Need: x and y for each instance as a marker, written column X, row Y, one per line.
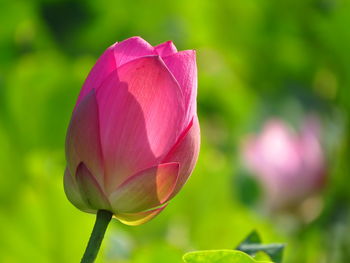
column 256, row 58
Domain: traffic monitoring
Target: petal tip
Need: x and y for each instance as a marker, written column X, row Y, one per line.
column 136, row 39
column 166, row 48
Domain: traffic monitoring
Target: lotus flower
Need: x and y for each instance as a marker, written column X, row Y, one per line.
column 133, row 139
column 290, row 165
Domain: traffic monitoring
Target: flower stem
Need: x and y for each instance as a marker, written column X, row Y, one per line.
column 103, row 218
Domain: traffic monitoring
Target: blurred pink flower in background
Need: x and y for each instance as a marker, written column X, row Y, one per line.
column 133, row 139
column 290, row 165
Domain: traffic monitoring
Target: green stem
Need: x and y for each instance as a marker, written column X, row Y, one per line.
column 103, row 218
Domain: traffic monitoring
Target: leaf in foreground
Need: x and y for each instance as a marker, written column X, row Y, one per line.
column 252, row 245
column 219, row 256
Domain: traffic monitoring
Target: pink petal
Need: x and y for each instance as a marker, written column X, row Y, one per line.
column 141, row 116
column 103, row 67
column 90, row 190
column 145, row 190
column 83, row 138
column 166, row 49
column 115, row 56
column 184, row 68
column 135, row 219
column 185, row 152
column 73, row 193
column 132, row 48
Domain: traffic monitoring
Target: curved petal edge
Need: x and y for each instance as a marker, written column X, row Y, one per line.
column 185, row 152
column 90, row 190
column 135, row 219
column 145, row 190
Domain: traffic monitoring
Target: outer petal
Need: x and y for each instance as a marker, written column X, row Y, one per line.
column 135, row 219
column 166, row 49
column 73, row 193
column 141, row 116
column 132, row 48
column 184, row 68
column 103, row 67
column 83, row 138
column 186, row 153
column 115, row 56
column 90, row 190
column 145, row 190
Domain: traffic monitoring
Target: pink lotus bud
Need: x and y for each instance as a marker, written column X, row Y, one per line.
column 290, row 166
column 133, row 139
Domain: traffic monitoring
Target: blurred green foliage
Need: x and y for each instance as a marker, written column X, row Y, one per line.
column 256, row 58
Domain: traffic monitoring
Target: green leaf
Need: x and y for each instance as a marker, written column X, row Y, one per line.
column 219, row 256
column 252, row 238
column 262, row 256
column 252, row 245
column 275, row 251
